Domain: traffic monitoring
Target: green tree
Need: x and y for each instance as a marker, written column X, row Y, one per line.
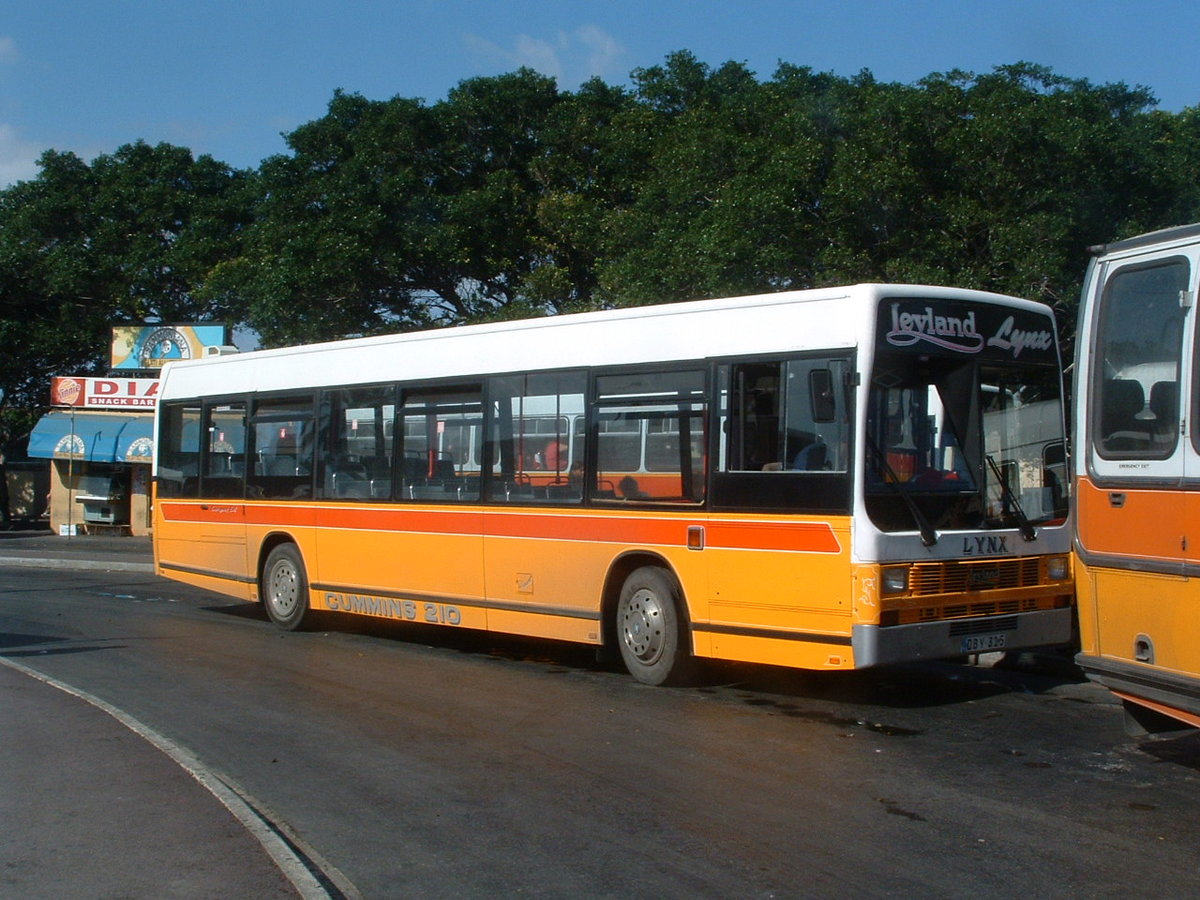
column 721, row 193
column 995, row 181
column 129, row 238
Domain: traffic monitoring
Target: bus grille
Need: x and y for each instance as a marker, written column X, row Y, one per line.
column 976, row 575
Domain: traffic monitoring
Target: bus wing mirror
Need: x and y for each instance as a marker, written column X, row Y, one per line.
column 820, row 387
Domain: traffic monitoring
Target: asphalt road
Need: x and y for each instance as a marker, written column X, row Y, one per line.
column 417, row 762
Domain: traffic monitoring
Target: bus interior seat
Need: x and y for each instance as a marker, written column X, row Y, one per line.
column 1123, row 399
column 283, row 465
column 1164, row 403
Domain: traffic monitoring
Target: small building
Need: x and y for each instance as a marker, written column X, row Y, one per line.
column 100, row 471
column 100, row 432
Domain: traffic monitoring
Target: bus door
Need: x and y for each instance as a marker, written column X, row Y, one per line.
column 204, row 460
column 777, row 544
column 1134, row 515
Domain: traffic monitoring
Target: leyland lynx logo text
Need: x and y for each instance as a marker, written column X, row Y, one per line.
column 951, row 332
column 960, row 334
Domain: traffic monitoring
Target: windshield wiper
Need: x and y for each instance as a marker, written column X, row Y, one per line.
column 929, row 537
column 1023, row 523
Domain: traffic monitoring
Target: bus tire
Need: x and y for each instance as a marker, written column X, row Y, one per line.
column 650, row 629
column 285, row 587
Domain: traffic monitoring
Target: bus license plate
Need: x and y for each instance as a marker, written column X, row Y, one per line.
column 982, row 643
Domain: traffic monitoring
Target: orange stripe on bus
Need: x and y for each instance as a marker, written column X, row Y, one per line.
column 807, row 537
column 810, row 537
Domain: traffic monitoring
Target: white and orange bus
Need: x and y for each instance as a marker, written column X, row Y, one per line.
column 826, row 479
column 1138, row 475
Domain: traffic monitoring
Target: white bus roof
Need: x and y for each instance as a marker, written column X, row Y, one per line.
column 1154, row 240
column 783, row 322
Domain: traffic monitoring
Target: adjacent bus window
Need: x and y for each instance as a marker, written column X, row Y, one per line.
column 224, row 465
column 179, row 450
column 442, row 433
column 284, row 443
column 356, row 451
column 650, row 437
column 1139, row 342
column 537, row 437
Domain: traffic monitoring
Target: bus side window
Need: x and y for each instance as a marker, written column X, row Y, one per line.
column 224, row 451
column 179, row 450
column 787, row 416
column 537, row 438
column 356, row 443
column 650, row 437
column 441, row 434
column 284, row 446
column 1139, row 351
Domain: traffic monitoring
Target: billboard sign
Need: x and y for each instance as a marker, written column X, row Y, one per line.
column 153, row 346
column 104, row 393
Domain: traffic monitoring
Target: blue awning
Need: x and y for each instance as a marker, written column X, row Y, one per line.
column 93, row 437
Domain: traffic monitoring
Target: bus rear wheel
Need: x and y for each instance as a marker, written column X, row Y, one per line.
column 650, row 629
column 284, row 588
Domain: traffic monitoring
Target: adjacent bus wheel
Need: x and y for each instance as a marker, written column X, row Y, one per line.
column 650, row 629
column 285, row 587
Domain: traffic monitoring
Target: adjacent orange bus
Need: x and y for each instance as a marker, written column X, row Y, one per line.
column 826, row 479
column 1138, row 475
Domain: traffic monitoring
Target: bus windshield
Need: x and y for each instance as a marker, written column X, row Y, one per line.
column 963, row 444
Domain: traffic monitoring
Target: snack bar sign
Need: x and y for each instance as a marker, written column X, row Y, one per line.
column 104, row 393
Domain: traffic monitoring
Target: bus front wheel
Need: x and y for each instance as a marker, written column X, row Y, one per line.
column 650, row 629
column 285, row 587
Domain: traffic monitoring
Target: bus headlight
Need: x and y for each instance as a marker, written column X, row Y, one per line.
column 895, row 580
column 1057, row 568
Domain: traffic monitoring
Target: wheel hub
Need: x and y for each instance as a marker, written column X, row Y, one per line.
column 641, row 624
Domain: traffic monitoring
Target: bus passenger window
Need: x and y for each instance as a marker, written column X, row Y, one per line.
column 283, row 433
column 537, row 426
column 179, row 450
column 650, row 437
column 442, row 436
column 356, row 443
column 225, row 454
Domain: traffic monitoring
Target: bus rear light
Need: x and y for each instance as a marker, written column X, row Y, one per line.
column 895, row 580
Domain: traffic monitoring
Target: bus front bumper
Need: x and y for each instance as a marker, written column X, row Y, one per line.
column 876, row 646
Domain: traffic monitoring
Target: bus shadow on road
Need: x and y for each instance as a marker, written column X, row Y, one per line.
column 1181, row 751
column 559, row 655
column 912, row 685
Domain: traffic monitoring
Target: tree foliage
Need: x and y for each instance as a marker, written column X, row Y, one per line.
column 511, row 197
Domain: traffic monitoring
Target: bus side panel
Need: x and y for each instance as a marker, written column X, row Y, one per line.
column 791, row 576
column 427, row 555
column 1086, row 608
column 558, row 561
column 203, row 544
column 1143, row 618
column 1138, row 524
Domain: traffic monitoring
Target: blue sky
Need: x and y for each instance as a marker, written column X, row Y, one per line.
column 226, row 78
